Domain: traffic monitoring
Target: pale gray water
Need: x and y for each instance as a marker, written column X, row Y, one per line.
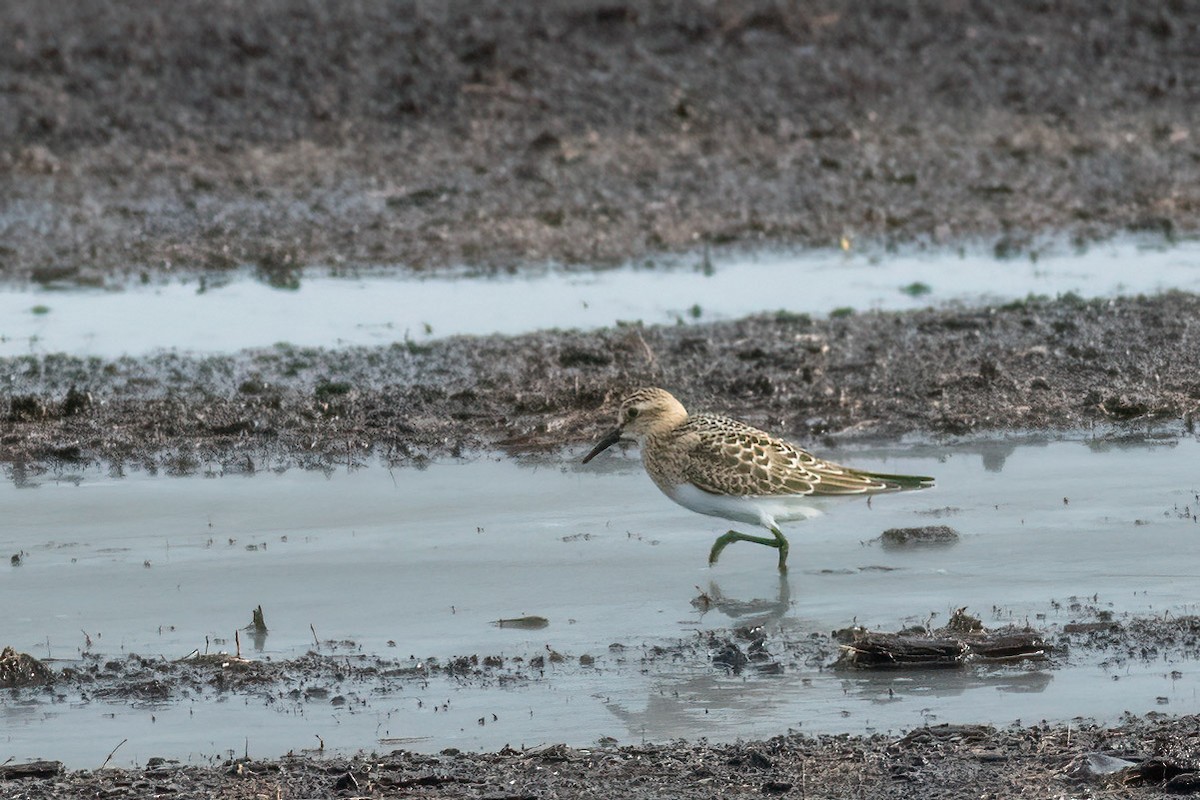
column 373, row 556
column 332, row 311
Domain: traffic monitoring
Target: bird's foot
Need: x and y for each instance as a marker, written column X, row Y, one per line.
column 720, row 544
column 729, row 537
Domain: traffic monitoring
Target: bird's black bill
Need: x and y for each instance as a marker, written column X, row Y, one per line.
column 605, row 443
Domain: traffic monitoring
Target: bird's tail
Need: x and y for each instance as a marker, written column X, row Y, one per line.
column 902, row 481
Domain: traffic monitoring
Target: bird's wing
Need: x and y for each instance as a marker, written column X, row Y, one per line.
column 731, row 457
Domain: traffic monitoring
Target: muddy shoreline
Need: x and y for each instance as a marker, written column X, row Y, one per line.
column 1142, row 757
column 1036, row 365
column 938, row 762
column 141, row 139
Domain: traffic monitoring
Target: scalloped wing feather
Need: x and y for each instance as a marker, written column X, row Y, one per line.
column 734, row 458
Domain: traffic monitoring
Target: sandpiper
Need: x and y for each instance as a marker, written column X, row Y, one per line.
column 724, row 468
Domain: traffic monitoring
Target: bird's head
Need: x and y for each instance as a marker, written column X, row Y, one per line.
column 643, row 413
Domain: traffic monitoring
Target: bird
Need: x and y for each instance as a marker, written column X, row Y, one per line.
column 721, row 467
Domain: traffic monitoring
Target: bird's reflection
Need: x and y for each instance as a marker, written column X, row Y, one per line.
column 883, row 686
column 700, row 700
column 681, row 707
column 757, row 611
column 692, row 692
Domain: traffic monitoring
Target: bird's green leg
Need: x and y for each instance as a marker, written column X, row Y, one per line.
column 782, row 544
column 729, row 537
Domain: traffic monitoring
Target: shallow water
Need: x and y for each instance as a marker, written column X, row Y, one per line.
column 220, row 314
column 428, row 559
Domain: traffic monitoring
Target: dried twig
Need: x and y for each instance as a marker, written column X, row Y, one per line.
column 113, row 753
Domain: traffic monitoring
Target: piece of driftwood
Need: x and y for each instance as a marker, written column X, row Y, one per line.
column 31, row 769
column 869, row 650
column 523, row 623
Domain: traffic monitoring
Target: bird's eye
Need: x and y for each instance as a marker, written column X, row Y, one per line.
column 631, row 413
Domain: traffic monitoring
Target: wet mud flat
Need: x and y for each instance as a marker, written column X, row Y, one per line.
column 143, row 139
column 935, row 762
column 1032, row 365
column 1154, row 756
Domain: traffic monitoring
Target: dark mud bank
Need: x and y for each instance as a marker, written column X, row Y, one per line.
column 1140, row 759
column 139, row 137
column 1036, row 365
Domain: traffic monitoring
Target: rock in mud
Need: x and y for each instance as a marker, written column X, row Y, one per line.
column 1186, row 783
column 22, row 669
column 1098, row 765
column 1174, row 776
column 730, row 657
column 925, row 536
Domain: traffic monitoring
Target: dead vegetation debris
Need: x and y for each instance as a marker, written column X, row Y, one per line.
column 963, row 640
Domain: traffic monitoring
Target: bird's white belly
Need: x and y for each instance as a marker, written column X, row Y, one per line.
column 764, row 510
